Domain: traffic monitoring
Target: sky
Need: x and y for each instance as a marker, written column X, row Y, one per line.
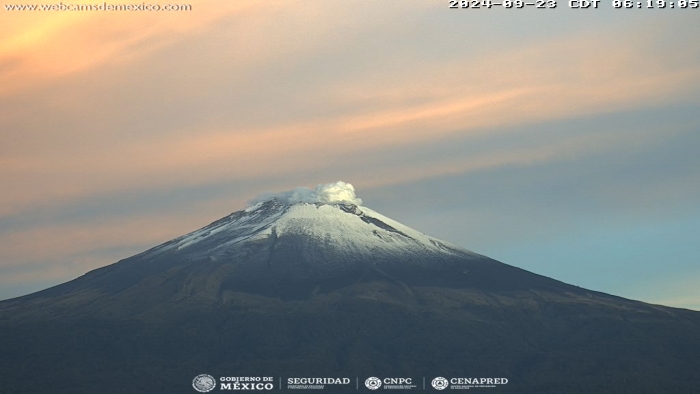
column 561, row 141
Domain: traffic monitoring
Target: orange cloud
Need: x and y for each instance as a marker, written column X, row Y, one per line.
column 27, row 251
column 561, row 78
column 37, row 47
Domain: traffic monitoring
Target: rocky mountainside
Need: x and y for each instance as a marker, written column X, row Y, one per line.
column 331, row 288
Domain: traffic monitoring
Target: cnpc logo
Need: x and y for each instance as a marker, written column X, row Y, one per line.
column 374, row 382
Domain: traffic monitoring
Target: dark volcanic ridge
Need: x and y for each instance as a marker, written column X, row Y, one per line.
column 331, row 288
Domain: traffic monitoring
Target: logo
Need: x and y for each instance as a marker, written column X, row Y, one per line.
column 204, row 383
column 315, row 383
column 440, row 383
column 373, row 383
column 471, row 383
column 246, row 383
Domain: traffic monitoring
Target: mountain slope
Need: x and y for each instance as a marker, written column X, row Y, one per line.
column 294, row 251
column 331, row 288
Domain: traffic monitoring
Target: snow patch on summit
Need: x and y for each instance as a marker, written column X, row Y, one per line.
column 328, row 220
column 328, row 193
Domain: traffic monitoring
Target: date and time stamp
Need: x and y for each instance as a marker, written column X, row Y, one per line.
column 575, row 4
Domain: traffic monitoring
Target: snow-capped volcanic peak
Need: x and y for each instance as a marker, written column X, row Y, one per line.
column 353, row 229
column 329, row 216
column 329, row 193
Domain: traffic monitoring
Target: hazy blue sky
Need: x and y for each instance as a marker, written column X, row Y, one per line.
column 561, row 141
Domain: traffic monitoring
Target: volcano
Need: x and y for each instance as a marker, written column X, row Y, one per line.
column 311, row 283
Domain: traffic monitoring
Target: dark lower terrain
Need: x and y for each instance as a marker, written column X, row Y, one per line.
column 299, row 306
column 542, row 341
